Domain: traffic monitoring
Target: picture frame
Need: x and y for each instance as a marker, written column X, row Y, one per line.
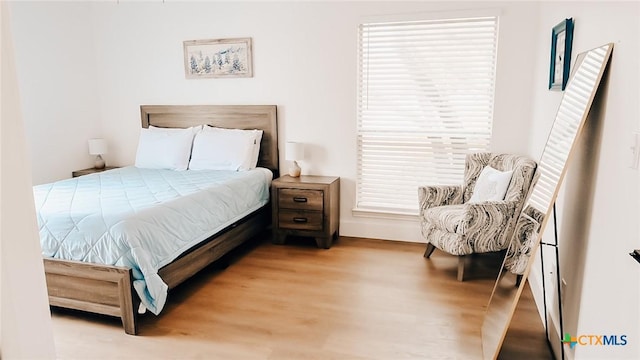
column 561, row 41
column 218, row 58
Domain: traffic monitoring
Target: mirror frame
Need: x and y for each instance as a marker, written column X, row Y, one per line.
column 529, row 229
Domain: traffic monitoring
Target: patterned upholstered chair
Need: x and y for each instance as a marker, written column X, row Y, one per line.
column 454, row 221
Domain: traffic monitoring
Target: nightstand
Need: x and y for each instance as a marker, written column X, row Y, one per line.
column 91, row 171
column 306, row 206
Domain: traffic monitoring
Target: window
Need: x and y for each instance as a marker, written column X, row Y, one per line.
column 425, row 100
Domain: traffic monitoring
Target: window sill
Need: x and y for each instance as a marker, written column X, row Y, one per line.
column 380, row 214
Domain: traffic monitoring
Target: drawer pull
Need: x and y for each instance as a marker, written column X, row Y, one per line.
column 299, row 220
column 300, row 199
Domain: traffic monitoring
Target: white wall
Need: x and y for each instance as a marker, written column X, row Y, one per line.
column 56, row 73
column 598, row 207
column 26, row 322
column 305, row 61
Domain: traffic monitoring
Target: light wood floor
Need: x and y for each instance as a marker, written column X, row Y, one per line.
column 361, row 299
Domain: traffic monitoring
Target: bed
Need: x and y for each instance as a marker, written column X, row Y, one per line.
column 109, row 289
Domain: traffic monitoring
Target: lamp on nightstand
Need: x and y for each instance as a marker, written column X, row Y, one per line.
column 98, row 147
column 294, row 152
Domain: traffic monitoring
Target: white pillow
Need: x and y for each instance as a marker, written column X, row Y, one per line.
column 164, row 148
column 256, row 148
column 491, row 185
column 225, row 149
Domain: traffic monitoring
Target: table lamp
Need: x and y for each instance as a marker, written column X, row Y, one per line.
column 294, row 152
column 98, row 147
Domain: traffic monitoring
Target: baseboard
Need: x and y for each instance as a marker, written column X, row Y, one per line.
column 375, row 228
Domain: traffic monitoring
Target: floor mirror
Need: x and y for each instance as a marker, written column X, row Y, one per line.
column 570, row 118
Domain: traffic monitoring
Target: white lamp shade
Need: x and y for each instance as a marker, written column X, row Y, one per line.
column 294, row 151
column 97, row 146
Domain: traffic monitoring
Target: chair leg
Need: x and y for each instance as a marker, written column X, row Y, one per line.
column 429, row 250
column 518, row 280
column 461, row 260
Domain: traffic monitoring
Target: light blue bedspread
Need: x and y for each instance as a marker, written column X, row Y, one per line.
column 143, row 218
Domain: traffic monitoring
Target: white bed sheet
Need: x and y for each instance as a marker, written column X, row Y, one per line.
column 143, row 218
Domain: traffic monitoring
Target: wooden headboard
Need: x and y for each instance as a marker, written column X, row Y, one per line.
column 261, row 117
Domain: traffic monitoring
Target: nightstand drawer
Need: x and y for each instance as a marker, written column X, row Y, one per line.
column 300, row 199
column 300, row 220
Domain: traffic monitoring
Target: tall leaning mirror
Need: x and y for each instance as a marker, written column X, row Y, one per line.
column 569, row 121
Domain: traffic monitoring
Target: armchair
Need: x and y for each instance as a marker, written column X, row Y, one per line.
column 452, row 223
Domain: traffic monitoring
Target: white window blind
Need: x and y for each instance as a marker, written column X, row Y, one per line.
column 425, row 100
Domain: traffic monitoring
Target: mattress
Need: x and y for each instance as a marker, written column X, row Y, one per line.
column 143, row 218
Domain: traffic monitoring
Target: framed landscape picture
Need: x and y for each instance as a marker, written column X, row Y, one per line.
column 218, row 58
column 561, row 39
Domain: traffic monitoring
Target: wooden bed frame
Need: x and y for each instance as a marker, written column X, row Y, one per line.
column 108, row 290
